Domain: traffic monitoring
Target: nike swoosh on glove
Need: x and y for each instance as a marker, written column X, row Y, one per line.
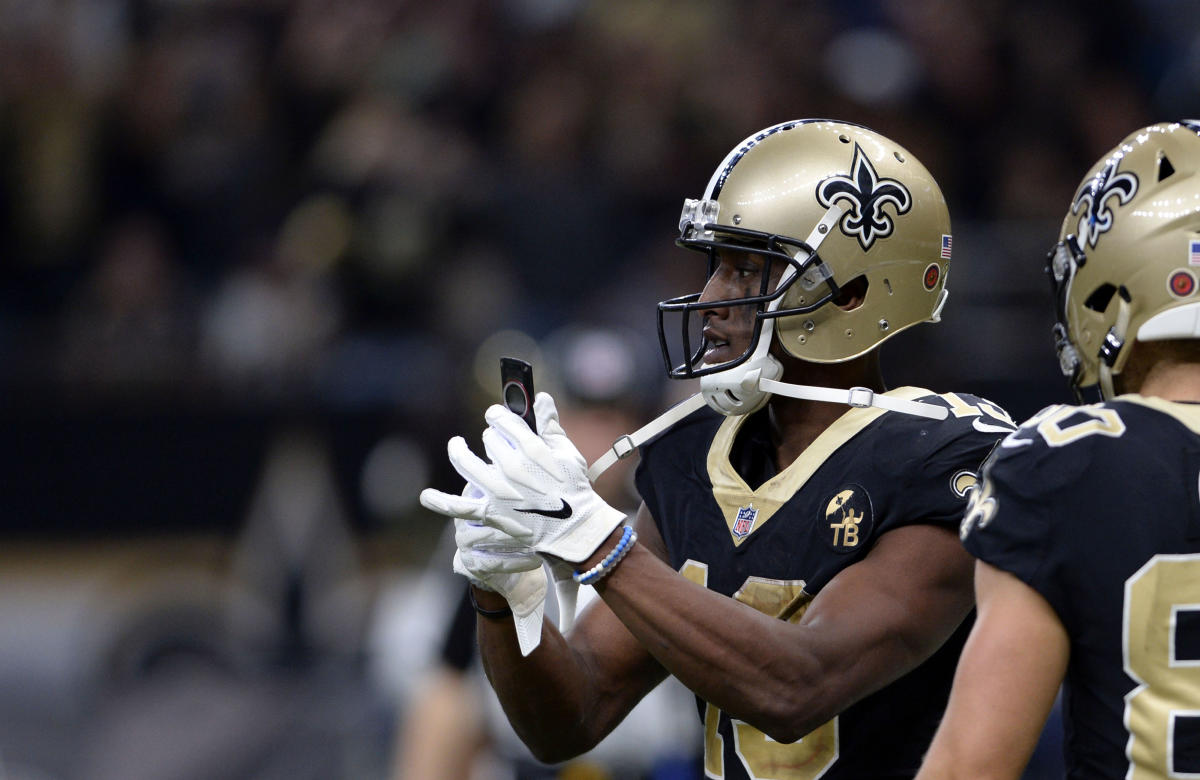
column 535, row 489
column 493, row 560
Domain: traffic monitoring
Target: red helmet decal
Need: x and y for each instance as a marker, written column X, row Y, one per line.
column 1182, row 284
column 933, row 272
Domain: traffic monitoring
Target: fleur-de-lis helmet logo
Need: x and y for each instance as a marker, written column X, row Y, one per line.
column 866, row 195
column 1093, row 200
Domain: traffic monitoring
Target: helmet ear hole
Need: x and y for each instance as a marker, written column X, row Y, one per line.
column 1100, row 298
column 852, row 294
column 1165, row 168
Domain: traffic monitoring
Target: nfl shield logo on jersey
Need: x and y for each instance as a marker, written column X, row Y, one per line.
column 743, row 524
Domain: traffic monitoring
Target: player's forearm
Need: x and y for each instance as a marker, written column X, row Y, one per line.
column 947, row 762
column 976, row 741
column 753, row 666
column 545, row 695
column 1004, row 688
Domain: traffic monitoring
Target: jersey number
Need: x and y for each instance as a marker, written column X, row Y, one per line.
column 806, row 758
column 1096, row 420
column 961, row 408
column 1168, row 686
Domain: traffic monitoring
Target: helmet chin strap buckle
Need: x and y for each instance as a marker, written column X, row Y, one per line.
column 860, row 397
column 628, row 443
column 624, row 447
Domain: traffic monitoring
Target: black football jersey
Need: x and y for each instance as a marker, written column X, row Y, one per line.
column 1096, row 508
column 773, row 539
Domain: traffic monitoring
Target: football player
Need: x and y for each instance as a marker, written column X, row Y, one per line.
column 1087, row 522
column 794, row 562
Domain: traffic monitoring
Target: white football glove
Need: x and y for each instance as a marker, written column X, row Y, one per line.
column 535, row 489
column 493, row 560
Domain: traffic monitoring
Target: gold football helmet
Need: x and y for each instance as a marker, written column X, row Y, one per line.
column 834, row 202
column 1126, row 264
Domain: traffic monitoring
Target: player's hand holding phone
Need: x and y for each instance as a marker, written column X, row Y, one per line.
column 535, row 488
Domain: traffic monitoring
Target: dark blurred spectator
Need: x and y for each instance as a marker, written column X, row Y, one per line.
column 127, row 329
column 537, row 134
column 267, row 326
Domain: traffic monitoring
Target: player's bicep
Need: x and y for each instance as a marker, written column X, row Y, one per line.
column 1006, row 682
column 892, row 610
column 915, row 585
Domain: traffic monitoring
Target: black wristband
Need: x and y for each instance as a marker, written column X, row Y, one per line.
column 491, row 614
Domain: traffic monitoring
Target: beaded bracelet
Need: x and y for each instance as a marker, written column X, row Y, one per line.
column 492, row 614
column 605, row 567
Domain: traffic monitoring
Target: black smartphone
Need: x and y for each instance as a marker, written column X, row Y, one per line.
column 516, row 382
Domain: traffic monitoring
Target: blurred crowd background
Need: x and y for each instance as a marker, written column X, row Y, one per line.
column 258, row 259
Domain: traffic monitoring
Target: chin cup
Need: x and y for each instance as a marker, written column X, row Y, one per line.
column 737, row 391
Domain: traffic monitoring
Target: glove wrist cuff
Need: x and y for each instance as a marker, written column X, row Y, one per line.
column 610, row 561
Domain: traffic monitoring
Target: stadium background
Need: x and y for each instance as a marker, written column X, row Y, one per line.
column 255, row 255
